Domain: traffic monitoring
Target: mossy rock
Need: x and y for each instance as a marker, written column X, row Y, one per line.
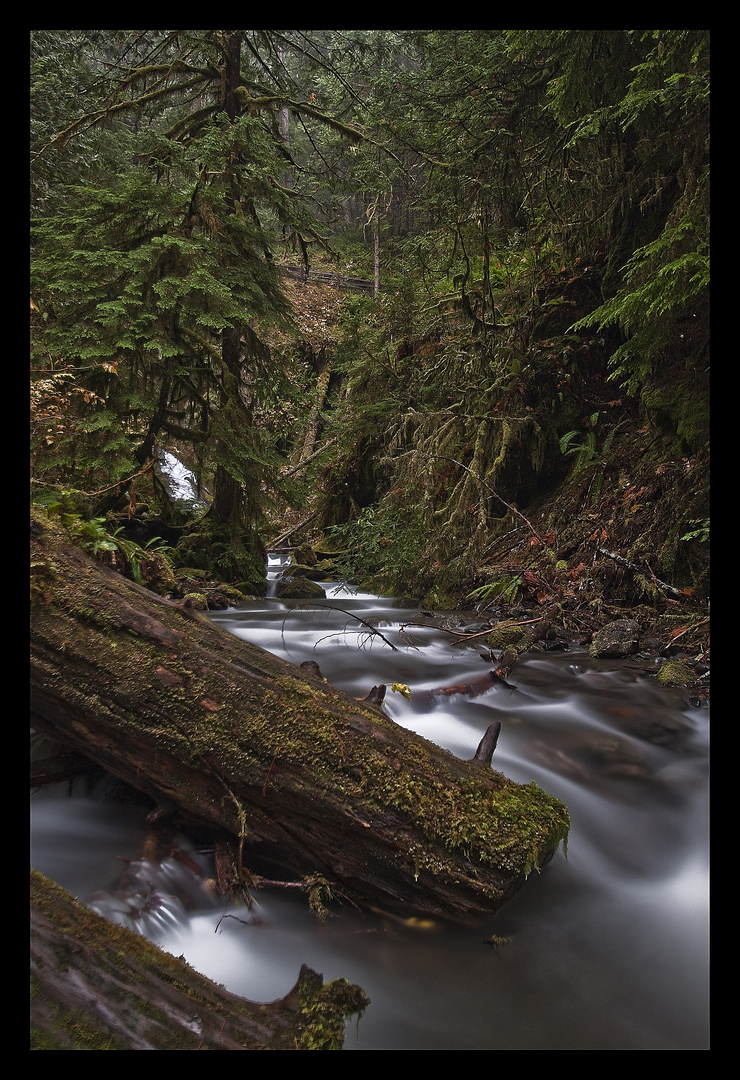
column 322, row 571
column 676, row 673
column 298, row 588
column 196, row 600
column 330, row 545
column 233, row 592
column 298, row 570
column 211, row 548
column 504, row 635
column 617, row 639
column 245, row 588
column 325, row 570
column 439, row 599
column 304, row 556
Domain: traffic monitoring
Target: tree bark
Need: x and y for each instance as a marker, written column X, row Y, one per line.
column 98, row 986
column 305, row 779
column 324, row 368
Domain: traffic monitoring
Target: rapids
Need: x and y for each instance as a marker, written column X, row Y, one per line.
column 605, row 949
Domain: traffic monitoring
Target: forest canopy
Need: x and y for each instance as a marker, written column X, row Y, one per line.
column 532, row 208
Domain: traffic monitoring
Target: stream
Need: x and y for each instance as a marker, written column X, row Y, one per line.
column 606, row 949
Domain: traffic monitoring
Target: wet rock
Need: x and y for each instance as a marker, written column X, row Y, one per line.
column 618, row 638
column 195, row 600
column 676, row 673
column 505, row 634
column 297, row 588
column 328, row 547
column 304, row 556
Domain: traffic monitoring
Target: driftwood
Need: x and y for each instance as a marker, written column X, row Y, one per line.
column 99, row 986
column 307, row 782
column 472, row 688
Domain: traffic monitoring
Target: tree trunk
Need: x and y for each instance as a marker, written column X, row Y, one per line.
column 324, row 368
column 98, row 986
column 376, row 261
column 307, row 781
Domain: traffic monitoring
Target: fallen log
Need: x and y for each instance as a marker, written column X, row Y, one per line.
column 98, row 986
column 307, row 781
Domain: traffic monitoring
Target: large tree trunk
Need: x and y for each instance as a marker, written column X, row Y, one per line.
column 306, row 780
column 98, row 986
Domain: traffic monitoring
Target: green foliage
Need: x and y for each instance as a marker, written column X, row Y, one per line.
column 514, row 180
column 505, row 588
column 585, row 452
column 383, row 546
column 95, row 536
column 151, row 272
column 700, row 531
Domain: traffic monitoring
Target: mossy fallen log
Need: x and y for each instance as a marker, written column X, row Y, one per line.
column 308, row 782
column 98, row 986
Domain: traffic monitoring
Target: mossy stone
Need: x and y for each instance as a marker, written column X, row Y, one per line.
column 617, row 639
column 504, row 635
column 298, row 588
column 676, row 673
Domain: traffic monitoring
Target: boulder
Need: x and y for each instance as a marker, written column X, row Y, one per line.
column 617, row 639
column 297, row 588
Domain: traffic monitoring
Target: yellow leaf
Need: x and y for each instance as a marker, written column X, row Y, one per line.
column 401, row 688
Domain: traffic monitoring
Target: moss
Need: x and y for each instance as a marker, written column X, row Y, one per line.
column 505, row 634
column 439, row 599
column 330, row 545
column 679, row 411
column 212, row 548
column 196, row 600
column 325, row 1009
column 311, row 1018
column 277, row 730
column 676, row 673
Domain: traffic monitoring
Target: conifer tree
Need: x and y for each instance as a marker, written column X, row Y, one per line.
column 153, row 267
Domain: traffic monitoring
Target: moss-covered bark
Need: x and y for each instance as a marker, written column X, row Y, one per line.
column 302, row 776
column 98, row 986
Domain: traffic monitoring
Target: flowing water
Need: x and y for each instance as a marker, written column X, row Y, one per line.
column 605, row 949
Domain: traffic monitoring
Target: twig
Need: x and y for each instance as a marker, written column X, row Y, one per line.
column 292, row 530
column 142, row 472
column 353, row 615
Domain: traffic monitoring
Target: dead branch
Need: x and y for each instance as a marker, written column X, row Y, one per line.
column 511, row 654
column 670, row 589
